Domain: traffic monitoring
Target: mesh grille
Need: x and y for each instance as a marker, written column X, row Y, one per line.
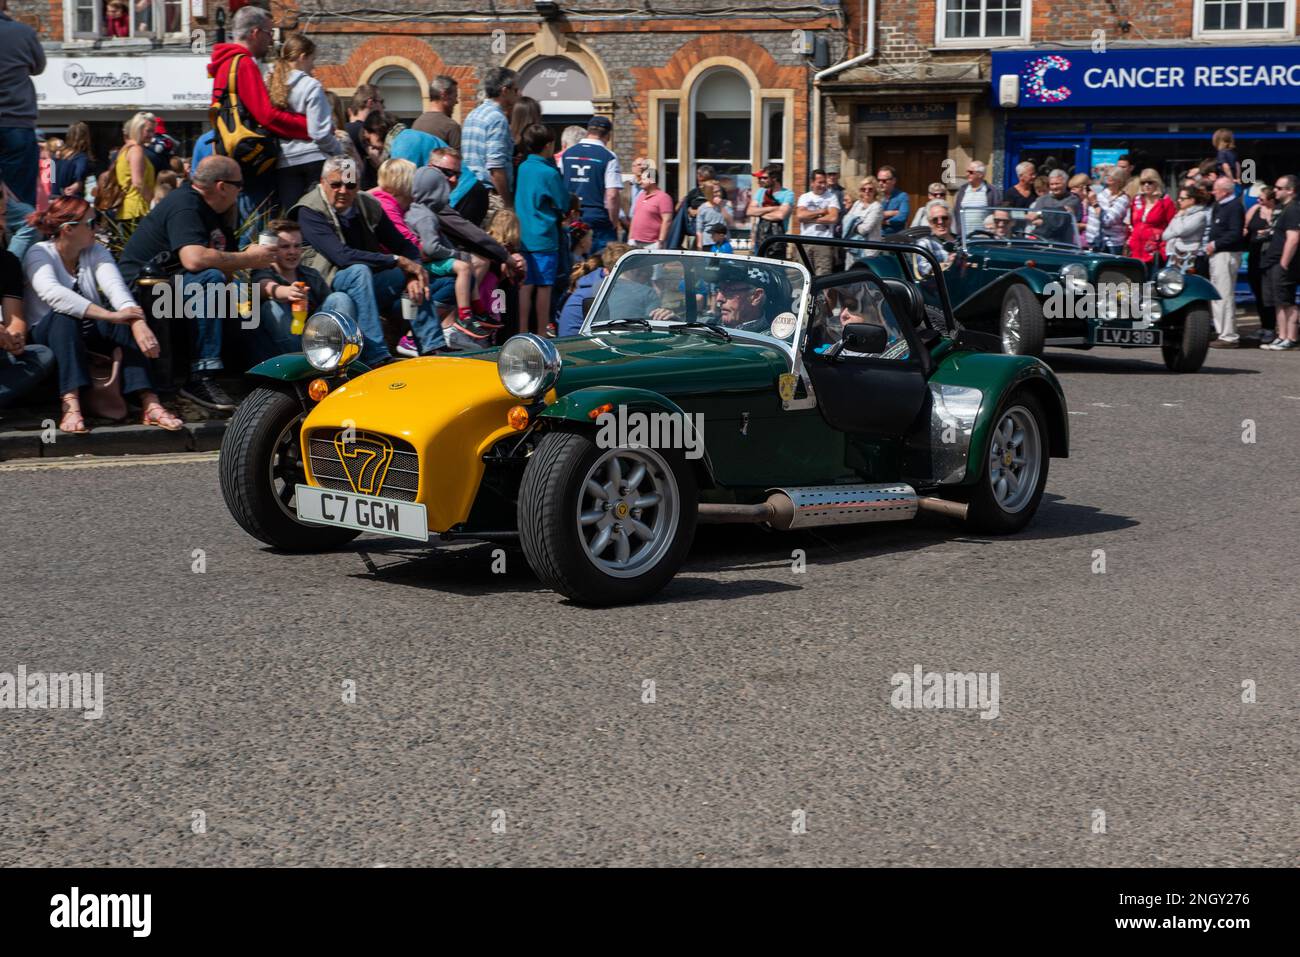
column 401, row 480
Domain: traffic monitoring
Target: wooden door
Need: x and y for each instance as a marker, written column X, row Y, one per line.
column 919, row 161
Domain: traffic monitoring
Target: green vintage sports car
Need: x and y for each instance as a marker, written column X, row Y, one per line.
column 1020, row 275
column 702, row 388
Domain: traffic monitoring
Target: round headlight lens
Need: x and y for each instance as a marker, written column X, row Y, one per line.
column 330, row 340
column 1074, row 276
column 1170, row 282
column 528, row 366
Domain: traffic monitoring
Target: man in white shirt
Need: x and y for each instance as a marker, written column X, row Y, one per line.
column 817, row 212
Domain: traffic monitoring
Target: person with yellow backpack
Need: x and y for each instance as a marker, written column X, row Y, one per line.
column 248, row 125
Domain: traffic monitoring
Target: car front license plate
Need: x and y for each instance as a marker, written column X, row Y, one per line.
column 365, row 513
column 1119, row 336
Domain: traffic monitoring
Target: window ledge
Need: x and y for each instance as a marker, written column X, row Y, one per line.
column 943, row 46
column 1283, row 34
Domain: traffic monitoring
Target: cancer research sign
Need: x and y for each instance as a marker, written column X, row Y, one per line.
column 121, row 82
column 1210, row 76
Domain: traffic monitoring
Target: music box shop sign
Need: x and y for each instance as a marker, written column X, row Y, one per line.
column 124, row 83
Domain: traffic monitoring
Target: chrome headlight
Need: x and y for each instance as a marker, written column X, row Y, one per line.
column 1074, row 277
column 528, row 366
column 330, row 340
column 1170, row 282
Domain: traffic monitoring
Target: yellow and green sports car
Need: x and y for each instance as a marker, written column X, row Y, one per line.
column 701, row 388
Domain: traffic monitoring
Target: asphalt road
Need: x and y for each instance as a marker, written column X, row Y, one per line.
column 482, row 699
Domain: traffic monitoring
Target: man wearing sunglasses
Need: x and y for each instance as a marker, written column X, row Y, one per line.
column 190, row 228
column 345, row 231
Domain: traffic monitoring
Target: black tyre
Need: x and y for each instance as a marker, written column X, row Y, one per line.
column 1185, row 346
column 261, row 462
column 605, row 526
column 1013, row 468
column 1021, row 323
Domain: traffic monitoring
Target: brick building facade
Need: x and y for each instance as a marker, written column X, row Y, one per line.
column 683, row 83
column 928, row 98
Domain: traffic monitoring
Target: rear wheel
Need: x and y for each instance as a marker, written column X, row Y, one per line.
column 261, row 463
column 1013, row 471
column 1022, row 326
column 605, row 526
column 1185, row 348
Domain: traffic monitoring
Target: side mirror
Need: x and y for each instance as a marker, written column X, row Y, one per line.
column 586, row 306
column 864, row 337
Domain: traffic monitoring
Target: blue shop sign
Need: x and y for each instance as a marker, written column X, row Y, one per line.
column 1204, row 76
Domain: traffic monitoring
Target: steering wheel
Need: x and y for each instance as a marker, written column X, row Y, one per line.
column 980, row 232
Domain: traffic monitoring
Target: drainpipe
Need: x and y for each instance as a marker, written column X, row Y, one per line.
column 832, row 71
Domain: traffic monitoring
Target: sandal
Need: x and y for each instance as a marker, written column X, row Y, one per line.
column 72, row 422
column 157, row 414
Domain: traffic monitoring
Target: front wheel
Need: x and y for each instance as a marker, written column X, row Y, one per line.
column 1013, row 472
column 261, row 463
column 1184, row 349
column 1022, row 326
column 605, row 526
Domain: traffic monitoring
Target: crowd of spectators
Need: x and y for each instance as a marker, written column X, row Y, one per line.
column 437, row 237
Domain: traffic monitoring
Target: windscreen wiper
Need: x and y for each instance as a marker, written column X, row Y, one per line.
column 626, row 321
column 706, row 326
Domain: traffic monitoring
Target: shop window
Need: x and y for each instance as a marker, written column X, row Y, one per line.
column 401, row 92
column 962, row 22
column 1217, row 17
column 126, row 19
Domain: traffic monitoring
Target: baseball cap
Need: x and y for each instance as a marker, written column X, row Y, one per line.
column 602, row 123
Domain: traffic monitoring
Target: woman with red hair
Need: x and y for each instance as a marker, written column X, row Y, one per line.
column 69, row 277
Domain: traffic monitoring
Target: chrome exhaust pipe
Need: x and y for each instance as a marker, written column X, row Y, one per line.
column 820, row 505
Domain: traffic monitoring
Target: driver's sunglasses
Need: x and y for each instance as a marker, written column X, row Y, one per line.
column 940, row 219
column 448, row 171
column 731, row 292
column 347, row 186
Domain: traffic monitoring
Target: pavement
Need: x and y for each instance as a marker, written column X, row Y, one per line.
column 1147, row 711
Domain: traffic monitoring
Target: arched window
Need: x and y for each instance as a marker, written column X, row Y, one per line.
column 722, row 116
column 401, row 92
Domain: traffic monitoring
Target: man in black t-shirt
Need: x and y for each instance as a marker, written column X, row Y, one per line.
column 192, row 226
column 1281, row 265
column 22, row 366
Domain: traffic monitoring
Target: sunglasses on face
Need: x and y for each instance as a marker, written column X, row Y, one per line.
column 732, row 292
column 1001, row 222
column 448, row 171
column 237, row 183
column 337, row 186
column 936, row 193
column 939, row 219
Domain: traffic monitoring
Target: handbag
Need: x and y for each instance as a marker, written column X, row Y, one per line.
column 105, row 399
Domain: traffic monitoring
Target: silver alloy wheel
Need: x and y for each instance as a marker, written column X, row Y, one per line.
column 1015, row 451
column 628, row 511
column 1011, row 328
column 286, row 468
